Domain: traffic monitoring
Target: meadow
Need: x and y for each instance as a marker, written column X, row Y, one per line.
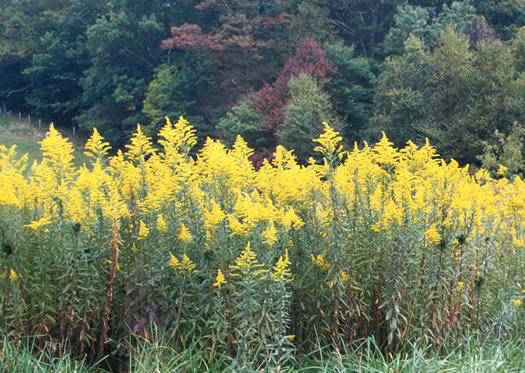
column 163, row 257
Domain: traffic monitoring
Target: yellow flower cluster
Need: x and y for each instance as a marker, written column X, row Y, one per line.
column 247, row 263
column 432, row 235
column 46, row 220
column 13, row 276
column 281, row 270
column 329, row 142
column 186, row 266
column 143, row 230
column 321, row 262
column 184, row 234
column 405, row 194
column 220, row 279
column 161, row 224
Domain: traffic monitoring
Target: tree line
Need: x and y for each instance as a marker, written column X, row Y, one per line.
column 274, row 70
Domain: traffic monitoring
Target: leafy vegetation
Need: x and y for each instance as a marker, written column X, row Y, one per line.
column 254, row 268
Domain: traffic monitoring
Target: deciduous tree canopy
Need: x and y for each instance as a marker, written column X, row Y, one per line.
column 447, row 70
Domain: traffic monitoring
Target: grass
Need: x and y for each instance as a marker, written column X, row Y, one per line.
column 491, row 357
column 26, row 138
column 27, row 357
column 157, row 356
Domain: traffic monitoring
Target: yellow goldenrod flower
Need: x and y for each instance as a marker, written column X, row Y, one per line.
column 291, row 337
column 39, row 223
column 184, row 234
column 281, row 270
column 329, row 142
column 518, row 242
column 178, row 138
column 320, row 262
column 460, row 286
column 501, row 170
column 220, row 279
column 174, row 262
column 517, row 302
column 13, row 275
column 140, row 147
column 385, row 153
column 143, row 230
column 432, row 235
column 161, row 224
column 214, row 216
column 290, row 219
column 186, row 266
column 58, row 157
column 95, row 147
column 247, row 262
column 270, row 234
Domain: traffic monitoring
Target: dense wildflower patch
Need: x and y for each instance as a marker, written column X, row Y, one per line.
column 395, row 243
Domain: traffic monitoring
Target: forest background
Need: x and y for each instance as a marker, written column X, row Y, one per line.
column 274, row 70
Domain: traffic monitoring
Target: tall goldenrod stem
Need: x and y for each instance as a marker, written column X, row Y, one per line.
column 112, row 274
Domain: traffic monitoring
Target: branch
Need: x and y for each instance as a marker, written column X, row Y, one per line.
column 9, row 93
column 342, row 25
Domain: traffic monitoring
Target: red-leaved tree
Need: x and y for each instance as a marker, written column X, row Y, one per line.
column 271, row 100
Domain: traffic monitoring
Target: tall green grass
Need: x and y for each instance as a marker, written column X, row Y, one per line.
column 503, row 356
column 155, row 355
column 25, row 356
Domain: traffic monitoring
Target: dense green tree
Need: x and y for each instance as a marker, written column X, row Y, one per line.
column 401, row 108
column 497, row 99
column 308, row 108
column 350, row 88
column 174, row 92
column 57, row 68
column 311, row 22
column 123, row 53
column 505, row 16
column 13, row 84
column 518, row 50
column 452, row 63
column 505, row 157
column 362, row 22
column 244, row 120
column 426, row 24
column 454, row 95
column 22, row 23
column 55, row 94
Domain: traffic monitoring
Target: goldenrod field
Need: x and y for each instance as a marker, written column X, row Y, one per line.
column 260, row 265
